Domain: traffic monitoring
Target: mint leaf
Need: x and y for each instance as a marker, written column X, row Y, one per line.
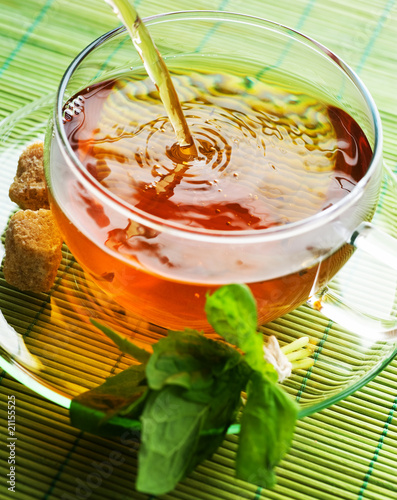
column 202, row 373
column 170, row 431
column 223, row 409
column 190, row 360
column 87, row 419
column 231, row 311
column 188, row 392
column 123, row 343
column 267, row 427
column 92, row 409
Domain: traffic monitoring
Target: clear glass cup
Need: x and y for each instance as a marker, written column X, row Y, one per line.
column 285, row 266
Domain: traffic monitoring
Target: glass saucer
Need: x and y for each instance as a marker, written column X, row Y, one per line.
column 48, row 343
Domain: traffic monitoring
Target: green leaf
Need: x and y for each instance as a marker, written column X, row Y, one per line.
column 189, row 371
column 231, row 311
column 170, row 431
column 188, row 392
column 267, row 427
column 124, row 343
column 94, row 421
column 122, row 394
column 223, row 409
column 190, row 360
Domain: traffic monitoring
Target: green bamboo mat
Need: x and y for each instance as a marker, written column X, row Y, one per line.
column 347, row 451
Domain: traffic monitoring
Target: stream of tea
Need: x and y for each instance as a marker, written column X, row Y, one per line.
column 157, row 71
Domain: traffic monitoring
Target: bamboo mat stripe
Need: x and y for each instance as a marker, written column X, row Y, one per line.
column 367, row 51
column 347, row 451
column 25, row 37
column 377, row 451
column 222, row 6
column 315, row 357
column 62, row 466
column 305, row 14
column 298, row 26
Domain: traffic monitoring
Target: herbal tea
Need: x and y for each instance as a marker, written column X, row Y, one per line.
column 266, row 157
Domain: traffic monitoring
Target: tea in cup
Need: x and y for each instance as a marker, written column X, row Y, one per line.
column 287, row 167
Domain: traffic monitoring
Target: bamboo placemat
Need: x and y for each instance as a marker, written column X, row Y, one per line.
column 347, row 451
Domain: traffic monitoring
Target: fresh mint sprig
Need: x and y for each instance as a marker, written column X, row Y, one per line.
column 186, row 394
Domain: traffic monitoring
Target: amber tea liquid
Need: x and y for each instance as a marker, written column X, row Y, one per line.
column 266, row 157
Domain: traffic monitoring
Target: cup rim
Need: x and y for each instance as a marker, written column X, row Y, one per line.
column 200, row 234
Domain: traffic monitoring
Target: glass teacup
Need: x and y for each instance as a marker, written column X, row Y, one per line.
column 162, row 269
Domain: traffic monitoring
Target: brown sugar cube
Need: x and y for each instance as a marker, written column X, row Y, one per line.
column 29, row 188
column 33, row 250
